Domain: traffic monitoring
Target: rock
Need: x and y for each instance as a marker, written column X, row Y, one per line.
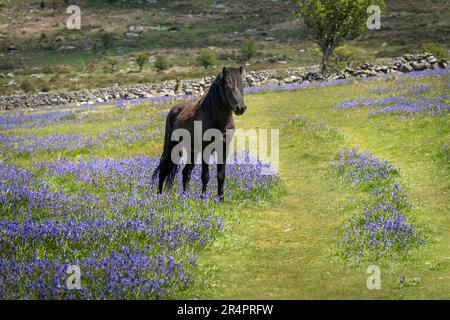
column 408, row 57
column 418, row 66
column 292, row 79
column 443, row 64
column 67, row 48
column 12, row 48
column 406, row 67
column 10, row 75
column 88, row 47
column 131, row 35
column 217, row 6
column 270, row 83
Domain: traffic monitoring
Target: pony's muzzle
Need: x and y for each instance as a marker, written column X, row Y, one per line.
column 240, row 109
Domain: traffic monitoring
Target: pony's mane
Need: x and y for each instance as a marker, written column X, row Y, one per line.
column 233, row 75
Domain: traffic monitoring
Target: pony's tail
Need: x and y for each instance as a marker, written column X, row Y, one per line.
column 166, row 169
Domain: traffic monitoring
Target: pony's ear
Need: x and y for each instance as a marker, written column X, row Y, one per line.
column 241, row 69
column 224, row 71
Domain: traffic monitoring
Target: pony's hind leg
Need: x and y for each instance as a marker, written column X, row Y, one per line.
column 187, row 175
column 164, row 167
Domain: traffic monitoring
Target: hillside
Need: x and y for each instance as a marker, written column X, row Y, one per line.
column 34, row 38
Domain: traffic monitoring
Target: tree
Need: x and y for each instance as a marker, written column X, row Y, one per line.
column 207, row 58
column 248, row 49
column 141, row 60
column 161, row 63
column 331, row 22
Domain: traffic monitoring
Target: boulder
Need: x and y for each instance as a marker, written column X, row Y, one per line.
column 406, row 67
column 443, row 64
column 418, row 66
column 12, row 48
column 88, row 47
column 270, row 83
column 131, row 35
column 67, row 48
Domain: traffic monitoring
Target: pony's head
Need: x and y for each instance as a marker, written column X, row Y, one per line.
column 232, row 85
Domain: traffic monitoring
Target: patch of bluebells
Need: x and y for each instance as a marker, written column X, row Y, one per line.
column 358, row 167
column 433, row 106
column 383, row 227
column 403, row 99
column 105, row 217
column 21, row 120
column 26, row 144
column 36, row 118
column 401, row 87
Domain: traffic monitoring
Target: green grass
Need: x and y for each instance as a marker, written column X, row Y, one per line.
column 286, row 247
column 287, row 250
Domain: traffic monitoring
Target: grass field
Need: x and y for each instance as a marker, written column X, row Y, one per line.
column 271, row 239
column 287, row 250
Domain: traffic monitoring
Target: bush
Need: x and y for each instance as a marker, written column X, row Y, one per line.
column 207, row 58
column 107, row 40
column 141, row 60
column 350, row 56
column 437, row 50
column 27, row 86
column 161, row 63
column 248, row 49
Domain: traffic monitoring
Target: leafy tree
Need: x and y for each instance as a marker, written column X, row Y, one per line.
column 161, row 63
column 141, row 60
column 207, row 58
column 248, row 49
column 331, row 22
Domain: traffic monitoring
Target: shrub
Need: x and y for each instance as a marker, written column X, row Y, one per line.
column 107, row 40
column 350, row 56
column 161, row 63
column 437, row 50
column 27, row 86
column 207, row 58
column 141, row 60
column 248, row 49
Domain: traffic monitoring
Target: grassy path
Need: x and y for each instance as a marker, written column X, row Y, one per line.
column 285, row 251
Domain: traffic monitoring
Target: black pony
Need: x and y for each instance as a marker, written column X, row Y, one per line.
column 215, row 111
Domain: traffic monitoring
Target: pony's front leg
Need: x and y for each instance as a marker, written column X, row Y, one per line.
column 221, row 163
column 205, row 175
column 220, row 180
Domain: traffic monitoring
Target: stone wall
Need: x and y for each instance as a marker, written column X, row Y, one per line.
column 407, row 63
